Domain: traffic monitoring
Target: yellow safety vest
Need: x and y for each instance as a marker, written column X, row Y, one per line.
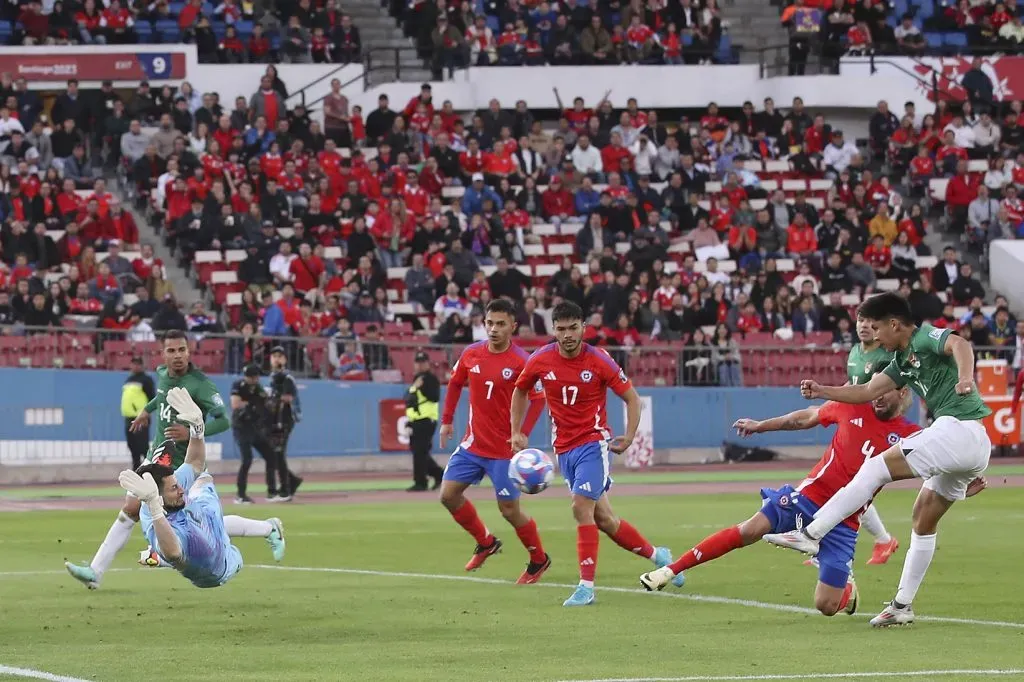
column 133, row 400
column 424, row 409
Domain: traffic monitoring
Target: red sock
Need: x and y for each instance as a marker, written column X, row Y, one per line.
column 845, row 599
column 531, row 541
column 467, row 517
column 711, row 547
column 586, row 552
column 630, row 539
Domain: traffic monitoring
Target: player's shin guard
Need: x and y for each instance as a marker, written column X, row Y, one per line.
column 241, row 527
column 631, row 540
column 919, row 557
column 711, row 547
column 530, row 538
column 117, row 538
column 586, row 552
column 467, row 517
column 858, row 492
column 872, row 522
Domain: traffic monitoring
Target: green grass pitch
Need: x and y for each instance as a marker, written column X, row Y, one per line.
column 339, row 608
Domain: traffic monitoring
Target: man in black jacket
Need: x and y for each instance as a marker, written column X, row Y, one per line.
column 137, row 391
column 380, row 120
column 250, row 414
column 421, row 413
column 285, row 413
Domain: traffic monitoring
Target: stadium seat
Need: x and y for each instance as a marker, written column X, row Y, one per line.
column 955, row 41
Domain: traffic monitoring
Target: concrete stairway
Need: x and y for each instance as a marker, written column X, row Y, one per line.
column 754, row 24
column 381, row 39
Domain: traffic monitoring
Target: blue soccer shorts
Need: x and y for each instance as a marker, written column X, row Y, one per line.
column 587, row 469
column 465, row 467
column 788, row 510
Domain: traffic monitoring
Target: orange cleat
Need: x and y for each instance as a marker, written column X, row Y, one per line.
column 813, row 561
column 882, row 551
column 534, row 571
column 481, row 553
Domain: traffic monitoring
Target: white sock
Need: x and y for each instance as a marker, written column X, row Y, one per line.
column 858, row 492
column 241, row 527
column 873, row 523
column 117, row 538
column 919, row 557
column 587, row 583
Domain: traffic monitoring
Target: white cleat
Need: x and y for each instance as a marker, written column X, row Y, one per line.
column 794, row 539
column 892, row 615
column 657, row 579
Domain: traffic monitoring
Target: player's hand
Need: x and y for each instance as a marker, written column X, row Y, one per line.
column 964, row 386
column 976, row 486
column 619, row 444
column 179, row 399
column 140, row 423
column 177, row 432
column 810, row 389
column 519, row 441
column 447, row 431
column 747, row 427
column 142, row 487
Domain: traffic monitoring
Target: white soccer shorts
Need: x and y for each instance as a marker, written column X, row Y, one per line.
column 948, row 455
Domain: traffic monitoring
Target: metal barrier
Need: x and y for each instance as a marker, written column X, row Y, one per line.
column 390, row 359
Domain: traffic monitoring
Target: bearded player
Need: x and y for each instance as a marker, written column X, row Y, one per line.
column 864, row 430
column 950, row 455
column 181, row 513
column 177, row 371
column 490, row 369
column 576, row 377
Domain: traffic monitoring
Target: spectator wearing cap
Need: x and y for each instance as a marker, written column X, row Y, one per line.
column 476, row 193
column 365, row 310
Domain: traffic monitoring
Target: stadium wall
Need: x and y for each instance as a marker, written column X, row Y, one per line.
column 56, row 419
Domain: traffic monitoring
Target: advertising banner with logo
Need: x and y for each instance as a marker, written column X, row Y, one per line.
column 61, row 65
column 1003, row 426
column 392, row 426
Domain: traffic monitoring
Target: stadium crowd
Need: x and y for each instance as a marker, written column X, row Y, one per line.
column 688, row 233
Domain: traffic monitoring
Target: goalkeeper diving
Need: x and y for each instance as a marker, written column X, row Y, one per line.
column 181, row 514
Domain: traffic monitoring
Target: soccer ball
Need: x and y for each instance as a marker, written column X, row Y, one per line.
column 531, row 470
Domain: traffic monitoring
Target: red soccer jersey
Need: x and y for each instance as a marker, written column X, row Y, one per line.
column 576, row 390
column 860, row 435
column 922, row 166
column 491, row 378
column 578, row 120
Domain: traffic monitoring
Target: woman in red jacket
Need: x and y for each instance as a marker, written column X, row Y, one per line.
column 393, row 230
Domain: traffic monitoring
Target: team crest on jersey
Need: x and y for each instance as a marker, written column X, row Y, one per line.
column 914, row 362
column 506, row 373
column 893, row 438
column 868, row 366
column 586, row 375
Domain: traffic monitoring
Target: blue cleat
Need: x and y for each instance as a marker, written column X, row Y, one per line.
column 583, row 596
column 276, row 539
column 83, row 574
column 663, row 557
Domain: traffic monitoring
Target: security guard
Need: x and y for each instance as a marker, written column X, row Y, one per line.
column 285, row 412
column 137, row 391
column 250, row 416
column 421, row 413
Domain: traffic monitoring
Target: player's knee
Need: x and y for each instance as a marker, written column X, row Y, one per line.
column 131, row 508
column 451, row 499
column 607, row 523
column 511, row 512
column 827, row 606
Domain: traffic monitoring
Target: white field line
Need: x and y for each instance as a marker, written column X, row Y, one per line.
column 37, row 674
column 816, row 676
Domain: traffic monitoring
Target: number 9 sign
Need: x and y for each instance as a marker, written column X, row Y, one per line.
column 157, row 65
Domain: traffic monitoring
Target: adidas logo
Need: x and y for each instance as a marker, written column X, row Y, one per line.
column 697, row 554
column 858, row 422
column 586, row 487
column 475, row 370
column 587, row 562
column 550, row 376
column 504, row 492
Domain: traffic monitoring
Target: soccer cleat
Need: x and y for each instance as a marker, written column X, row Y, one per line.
column 534, row 571
column 813, row 561
column 582, row 596
column 277, row 499
column 481, row 554
column 851, row 605
column 893, row 615
column 882, row 551
column 794, row 539
column 83, row 574
column 150, row 559
column 663, row 557
column 276, row 538
column 244, row 499
column 295, row 482
column 657, row 579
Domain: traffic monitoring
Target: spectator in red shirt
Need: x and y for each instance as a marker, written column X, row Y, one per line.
column 949, row 155
column 922, row 170
column 612, row 155
column 118, row 21
column 307, row 270
column 960, row 192
column 190, row 14
column 557, row 202
column 35, row 24
column 800, row 238
column 143, row 265
column 878, row 256
column 393, row 230
column 123, row 223
column 749, row 319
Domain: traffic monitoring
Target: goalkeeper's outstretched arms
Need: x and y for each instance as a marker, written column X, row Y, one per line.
column 189, row 412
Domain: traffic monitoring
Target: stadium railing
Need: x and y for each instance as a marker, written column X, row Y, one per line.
column 764, row 360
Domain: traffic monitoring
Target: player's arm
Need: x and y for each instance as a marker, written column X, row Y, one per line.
column 856, row 394
column 526, row 382
column 963, row 354
column 634, row 408
column 213, row 406
column 451, row 400
column 800, row 420
column 1018, row 389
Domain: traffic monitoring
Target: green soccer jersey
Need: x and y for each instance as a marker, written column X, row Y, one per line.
column 861, row 365
column 203, row 392
column 933, row 375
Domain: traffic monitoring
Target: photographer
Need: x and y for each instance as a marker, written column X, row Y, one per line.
column 249, row 418
column 285, row 412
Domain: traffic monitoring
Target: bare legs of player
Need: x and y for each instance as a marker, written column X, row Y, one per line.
column 464, row 512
